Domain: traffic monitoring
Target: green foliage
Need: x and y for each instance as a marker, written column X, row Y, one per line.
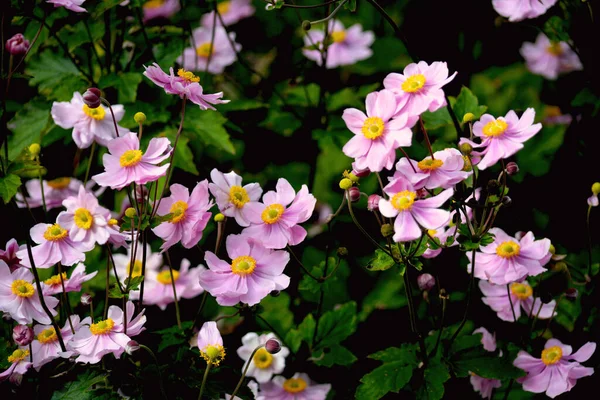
column 434, row 377
column 28, row 126
column 9, row 185
column 56, row 76
column 125, row 83
column 276, row 310
column 80, row 389
column 388, row 294
column 208, row 128
column 184, row 158
column 467, row 102
column 174, row 336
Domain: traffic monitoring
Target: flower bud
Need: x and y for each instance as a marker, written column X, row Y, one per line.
column 86, row 299
column 468, row 117
column 426, row 281
column 465, row 148
column 17, row 45
column 506, row 201
column 34, row 149
column 306, row 25
column 130, row 212
column 387, row 230
column 91, row 97
column 560, row 266
column 571, row 293
column 132, row 346
column 552, row 249
column 422, row 193
column 361, row 173
column 139, row 117
column 22, row 335
column 345, row 184
column 512, row 168
column 342, row 252
column 373, row 202
column 596, row 188
column 219, row 218
column 354, row 194
column 273, row 346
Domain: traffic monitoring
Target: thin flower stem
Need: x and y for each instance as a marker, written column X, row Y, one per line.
column 441, row 328
column 89, row 166
column 160, row 380
column 12, row 70
column 380, row 184
column 551, row 316
column 112, row 260
column 589, row 243
column 512, row 308
column 144, row 245
column 174, row 291
column 301, row 265
column 227, row 316
column 280, row 337
column 43, row 197
column 125, row 313
column 112, row 114
column 364, row 232
column 212, row 39
column 89, row 33
column 408, row 159
column 248, row 362
column 107, row 287
column 394, row 26
column 426, row 137
column 412, row 315
column 220, row 235
column 92, row 310
column 308, row 6
column 208, row 365
column 335, row 10
column 138, row 16
column 65, row 297
column 453, row 117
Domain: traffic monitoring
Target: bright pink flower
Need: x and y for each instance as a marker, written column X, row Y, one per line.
column 17, row 45
column 210, row 343
column 185, row 84
column 508, row 260
column 220, row 55
column 47, row 347
column 154, row 261
column 55, row 192
column 518, row 10
column 264, row 364
column 557, row 370
column 19, row 297
column 9, row 256
column 276, row 221
column 88, row 124
column 377, row 135
column 160, row 9
column 254, row 272
column 298, row 387
column 126, row 163
column 107, row 336
column 159, row 291
column 73, row 283
column 549, row 59
column 190, row 215
column 73, row 5
column 20, row 363
column 521, row 295
column 420, row 87
column 231, row 11
column 347, row 46
column 412, row 213
column 232, row 198
column 482, row 385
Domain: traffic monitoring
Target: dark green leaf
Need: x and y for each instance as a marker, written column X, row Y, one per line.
column 9, row 185
column 434, row 377
column 81, row 389
column 305, row 331
column 381, row 262
column 388, row 294
column 28, row 126
column 207, row 126
column 56, row 76
column 336, row 355
column 467, row 102
column 336, row 325
column 125, row 83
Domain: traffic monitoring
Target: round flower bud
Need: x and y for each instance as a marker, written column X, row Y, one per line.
column 34, row 149
column 17, row 45
column 468, row 117
column 560, row 266
column 373, row 202
column 422, row 193
column 342, row 252
column 219, row 218
column 552, row 249
column 512, row 168
column 596, row 188
column 130, row 212
column 426, row 281
column 465, row 148
column 22, row 335
column 273, row 346
column 86, row 299
column 91, row 97
column 139, row 117
column 345, row 184
column 387, row 230
column 353, row 194
column 571, row 293
column 306, row 25
column 506, row 201
column 132, row 346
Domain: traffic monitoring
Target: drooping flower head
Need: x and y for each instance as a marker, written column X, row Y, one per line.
column 521, row 296
column 210, row 343
column 126, row 163
column 73, row 283
column 160, row 9
column 154, row 261
column 346, row 47
column 46, row 347
column 264, row 364
column 518, row 10
column 231, row 11
column 482, row 385
column 549, row 59
column 19, row 364
column 557, row 370
column 232, row 198
column 377, row 134
column 298, row 387
column 253, row 273
column 218, row 55
column 55, row 192
column 9, row 256
column 72, row 5
column 159, row 289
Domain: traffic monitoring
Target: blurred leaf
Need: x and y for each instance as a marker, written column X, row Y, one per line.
column 56, row 76
column 436, row 119
column 183, row 159
column 9, row 185
column 386, row 295
column 381, row 262
column 336, row 355
column 537, row 156
column 81, row 389
column 207, row 126
column 28, row 126
column 556, row 28
column 281, row 122
column 154, row 115
column 242, row 105
column 302, row 95
column 104, row 6
column 567, row 312
column 174, row 336
column 125, row 83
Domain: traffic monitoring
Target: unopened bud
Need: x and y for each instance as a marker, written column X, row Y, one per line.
column 22, row 335
column 139, row 117
column 86, row 299
column 306, row 25
column 273, row 346
column 512, row 168
column 571, row 293
column 552, row 249
column 387, row 230
column 354, row 194
column 426, row 281
column 91, row 97
column 506, row 201
column 342, row 251
column 132, row 346
column 596, row 188
column 560, row 266
column 34, row 149
column 17, row 45
column 345, row 184
column 373, row 202
column 422, row 193
column 468, row 117
column 465, row 148
column 360, row 172
column 219, row 217
column 130, row 212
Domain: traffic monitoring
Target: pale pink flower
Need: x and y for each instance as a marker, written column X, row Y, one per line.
column 46, row 347
column 298, row 387
column 55, row 192
column 518, row 10
column 73, row 283
column 264, row 364
column 557, row 370
column 126, row 163
column 219, row 55
column 73, row 5
column 88, row 124
column 159, row 289
column 377, row 134
column 232, row 198
column 190, row 215
column 254, row 272
column 275, row 221
column 9, row 256
column 482, row 385
column 160, row 9
column 508, row 260
column 231, row 11
column 549, row 59
column 116, row 237
column 488, row 340
column 442, row 233
column 210, row 343
column 521, row 295
column 593, row 200
column 347, row 46
column 154, row 261
column 19, row 297
column 20, row 363
column 185, row 84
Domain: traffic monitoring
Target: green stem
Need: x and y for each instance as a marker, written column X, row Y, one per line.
column 89, row 166
column 237, row 388
column 43, row 197
column 208, row 365
column 174, row 291
column 65, row 298
column 301, row 265
column 332, row 13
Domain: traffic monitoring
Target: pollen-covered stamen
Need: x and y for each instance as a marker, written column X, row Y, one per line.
column 238, row 196
column 59, row 183
column 187, row 75
column 102, row 327
column 272, row 213
column 223, row 7
column 429, row 165
column 213, row 354
column 55, row 279
column 205, row 49
column 96, row 113
column 243, row 265
column 432, row 232
column 552, row 355
column 373, row 128
column 262, row 358
column 555, row 49
column 55, row 233
column 178, row 210
column 137, row 269
column 83, row 218
column 112, row 222
column 47, row 336
column 18, row 355
column 164, row 277
column 414, row 83
column 294, row 385
column 403, row 200
column 338, row 36
column 508, row 249
column 130, row 158
column 22, row 288
column 154, row 4
column 521, row 291
column 495, row 128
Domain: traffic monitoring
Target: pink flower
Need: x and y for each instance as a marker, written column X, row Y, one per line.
column 53, row 284
column 298, row 387
column 508, row 260
column 185, row 84
column 518, row 10
column 420, row 87
column 47, row 347
column 442, row 233
column 593, row 200
column 18, row 296
column 254, row 272
column 219, row 54
column 73, row 5
column 116, row 237
column 159, row 291
column 107, row 336
column 154, row 261
column 347, row 46
column 160, row 9
column 549, row 59
column 276, row 221
column 190, row 215
column 88, row 124
column 377, row 135
column 503, row 136
column 9, row 256
column 17, row 45
column 231, row 11
column 482, row 385
column 412, row 213
column 22, row 335
column 557, row 370
column 55, row 192
column 488, row 340
column 126, row 163
column 20, row 363
column 210, row 343
column 521, row 295
column 233, row 199
column 264, row 364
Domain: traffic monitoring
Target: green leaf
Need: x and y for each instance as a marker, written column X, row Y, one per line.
column 125, row 83
column 467, row 102
column 115, row 293
column 9, row 185
column 184, row 158
column 305, row 331
column 336, row 355
column 336, row 325
column 135, row 283
column 154, row 114
column 174, row 336
column 56, row 76
column 104, row 6
column 276, row 310
column 28, row 126
column 386, row 295
column 350, row 97
column 350, row 5
column 381, row 262
column 436, row 119
column 81, row 389
column 207, row 125
column 242, row 105
column 282, row 122
column 434, row 377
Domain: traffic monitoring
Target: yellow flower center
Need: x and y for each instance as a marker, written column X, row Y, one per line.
column 262, row 358
column 164, row 277
column 131, row 158
column 205, row 50
column 54, row 233
column 495, row 128
column 555, row 49
column 373, row 127
column 432, row 232
column 508, row 249
column 102, row 327
column 238, row 196
column 47, row 336
column 243, row 265
column 187, row 75
column 22, row 288
column 521, row 290
column 112, row 222
column 429, row 165
column 272, row 213
column 294, row 385
column 18, row 355
column 338, row 36
column 96, row 113
column 55, row 279
column 59, row 183
column 213, row 354
column 137, row 269
column 552, row 355
column 403, row 200
column 414, row 83
column 83, row 218
column 178, row 210
column 223, row 7
column 154, row 3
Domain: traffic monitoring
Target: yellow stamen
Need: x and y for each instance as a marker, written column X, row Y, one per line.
column 432, row 232
column 223, row 7
column 495, row 128
column 338, row 36
column 47, row 336
column 137, row 269
column 508, row 249
column 102, row 327
column 555, row 49
column 272, row 213
column 205, row 50
column 243, row 265
column 262, row 358
column 130, row 158
column 83, row 218
column 403, row 200
column 164, row 277
column 97, row 113
column 373, row 127
column 414, row 83
column 187, row 75
column 178, row 210
column 55, row 232
column 22, row 288
column 213, row 354
column 521, row 290
column 429, row 165
column 552, row 355
column 59, row 183
column 294, row 385
column 55, row 279
column 154, row 3
column 112, row 222
column 18, row 355
column 238, row 196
